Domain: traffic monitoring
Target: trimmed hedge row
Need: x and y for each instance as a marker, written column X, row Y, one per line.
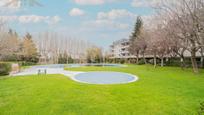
column 5, row 69
column 26, row 63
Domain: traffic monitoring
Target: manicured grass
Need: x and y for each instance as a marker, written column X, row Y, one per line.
column 159, row 91
column 25, row 67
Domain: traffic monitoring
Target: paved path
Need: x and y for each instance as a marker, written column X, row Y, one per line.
column 34, row 71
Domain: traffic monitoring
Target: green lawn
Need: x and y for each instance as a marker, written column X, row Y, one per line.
column 159, row 91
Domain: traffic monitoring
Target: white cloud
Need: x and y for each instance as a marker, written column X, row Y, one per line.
column 89, row 2
column 8, row 18
column 116, row 19
column 115, row 14
column 95, row 2
column 107, row 24
column 56, row 19
column 76, row 12
column 10, row 3
column 31, row 19
column 6, row 7
column 145, row 3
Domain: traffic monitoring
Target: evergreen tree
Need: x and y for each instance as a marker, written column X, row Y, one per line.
column 137, row 29
column 134, row 48
column 29, row 49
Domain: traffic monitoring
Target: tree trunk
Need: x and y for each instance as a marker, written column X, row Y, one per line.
column 202, row 58
column 67, row 60
column 137, row 59
column 182, row 62
column 201, row 61
column 144, row 58
column 155, row 60
column 193, row 60
column 162, row 61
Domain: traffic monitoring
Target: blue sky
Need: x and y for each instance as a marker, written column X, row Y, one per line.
column 98, row 21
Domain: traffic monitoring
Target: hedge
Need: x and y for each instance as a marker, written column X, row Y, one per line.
column 5, row 69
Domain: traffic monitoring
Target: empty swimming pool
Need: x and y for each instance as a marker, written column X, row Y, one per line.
column 104, row 78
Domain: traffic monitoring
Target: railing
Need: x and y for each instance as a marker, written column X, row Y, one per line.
column 42, row 71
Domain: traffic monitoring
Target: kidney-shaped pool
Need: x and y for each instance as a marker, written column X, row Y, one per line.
column 105, row 78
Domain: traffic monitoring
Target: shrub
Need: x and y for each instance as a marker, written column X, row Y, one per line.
column 70, row 60
column 118, row 60
column 5, row 69
column 177, row 63
column 121, row 61
column 141, row 62
column 27, row 63
column 62, row 60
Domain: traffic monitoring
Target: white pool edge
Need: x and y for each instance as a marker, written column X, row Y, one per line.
column 136, row 78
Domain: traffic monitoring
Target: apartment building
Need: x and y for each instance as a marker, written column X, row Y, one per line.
column 119, row 49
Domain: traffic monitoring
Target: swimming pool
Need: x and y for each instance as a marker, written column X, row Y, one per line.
column 96, row 64
column 105, row 78
column 59, row 69
column 77, row 65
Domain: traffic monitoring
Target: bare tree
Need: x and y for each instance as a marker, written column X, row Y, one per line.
column 153, row 46
column 94, row 55
column 52, row 45
column 142, row 43
column 9, row 44
column 185, row 16
column 135, row 50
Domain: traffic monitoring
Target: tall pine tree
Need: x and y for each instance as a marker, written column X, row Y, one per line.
column 29, row 49
column 134, row 48
column 137, row 29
